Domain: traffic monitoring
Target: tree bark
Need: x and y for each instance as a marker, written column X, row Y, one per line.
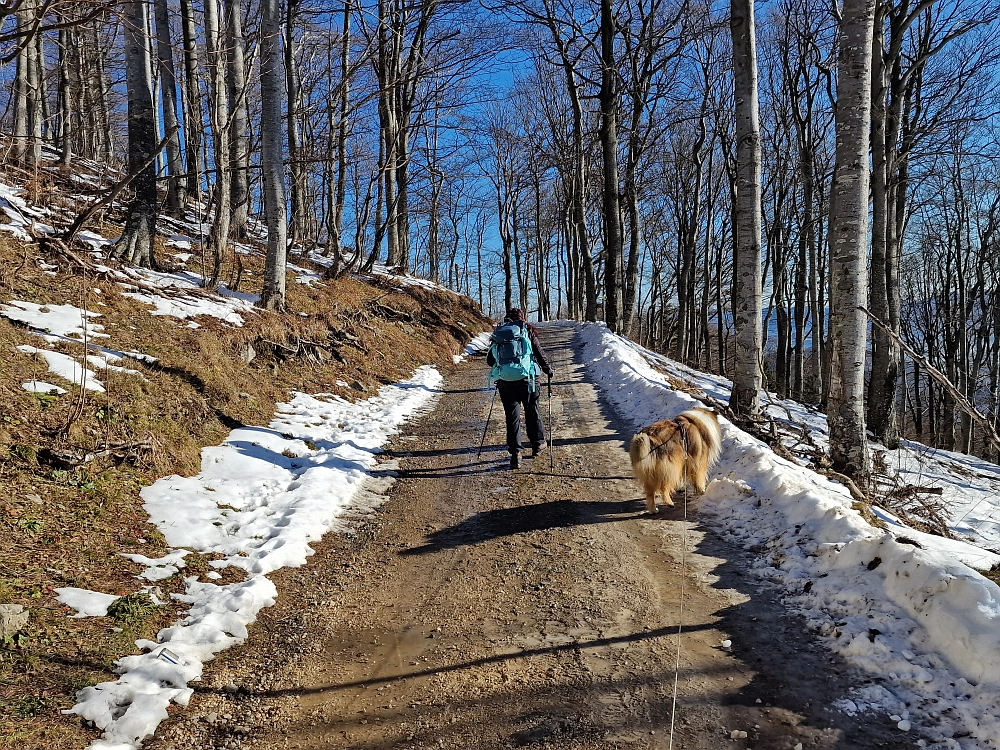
column 296, row 163
column 66, row 124
column 609, row 151
column 194, row 116
column 848, row 244
column 239, row 144
column 176, row 193
column 135, row 247
column 272, row 98
column 218, row 238
column 747, row 285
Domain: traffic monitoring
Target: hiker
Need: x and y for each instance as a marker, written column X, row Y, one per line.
column 515, row 357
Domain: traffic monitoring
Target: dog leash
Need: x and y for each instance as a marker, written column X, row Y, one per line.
column 680, row 613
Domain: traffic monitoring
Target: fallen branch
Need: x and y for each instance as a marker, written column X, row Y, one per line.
column 941, row 378
column 845, row 480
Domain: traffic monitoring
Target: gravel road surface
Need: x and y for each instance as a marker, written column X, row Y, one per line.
column 484, row 608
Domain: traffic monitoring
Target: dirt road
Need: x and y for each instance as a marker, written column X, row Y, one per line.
column 484, row 608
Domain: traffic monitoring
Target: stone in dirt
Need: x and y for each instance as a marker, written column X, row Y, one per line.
column 13, row 618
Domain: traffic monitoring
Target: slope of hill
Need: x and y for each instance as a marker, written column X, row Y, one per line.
column 114, row 377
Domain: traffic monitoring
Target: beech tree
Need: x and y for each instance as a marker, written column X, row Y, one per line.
column 745, row 396
column 849, row 244
column 135, row 247
column 272, row 97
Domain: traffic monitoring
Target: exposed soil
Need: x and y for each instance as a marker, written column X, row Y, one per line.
column 484, row 608
column 72, row 466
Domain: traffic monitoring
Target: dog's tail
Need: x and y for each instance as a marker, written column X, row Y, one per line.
column 639, row 449
column 703, row 427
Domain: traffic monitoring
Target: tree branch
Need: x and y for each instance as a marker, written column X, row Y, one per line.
column 941, row 378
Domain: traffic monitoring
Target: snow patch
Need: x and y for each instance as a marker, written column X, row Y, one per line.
column 261, row 498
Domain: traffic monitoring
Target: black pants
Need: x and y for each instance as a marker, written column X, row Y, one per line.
column 514, row 393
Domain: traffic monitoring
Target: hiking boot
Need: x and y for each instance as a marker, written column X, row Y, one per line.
column 535, row 450
column 515, row 460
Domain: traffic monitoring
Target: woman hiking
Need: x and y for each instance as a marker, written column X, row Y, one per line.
column 515, row 357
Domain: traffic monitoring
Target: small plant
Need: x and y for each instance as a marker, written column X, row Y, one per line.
column 24, row 452
column 26, row 706
column 132, row 609
column 31, row 525
column 80, row 479
column 45, row 400
column 106, row 414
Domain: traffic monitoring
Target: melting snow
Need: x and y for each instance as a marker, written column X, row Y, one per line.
column 261, row 498
column 917, row 619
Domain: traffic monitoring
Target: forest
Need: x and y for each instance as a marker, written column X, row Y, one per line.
column 741, row 187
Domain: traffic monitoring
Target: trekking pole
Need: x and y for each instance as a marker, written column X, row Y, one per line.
column 551, row 436
column 487, row 428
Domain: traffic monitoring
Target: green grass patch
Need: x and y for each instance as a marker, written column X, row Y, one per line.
column 133, row 609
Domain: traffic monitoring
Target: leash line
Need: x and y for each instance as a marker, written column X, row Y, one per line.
column 680, row 612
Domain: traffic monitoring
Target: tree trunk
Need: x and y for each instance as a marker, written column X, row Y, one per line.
column 194, row 117
column 335, row 222
column 272, row 98
column 848, row 244
column 609, row 151
column 747, row 286
column 881, row 414
column 21, row 86
column 176, row 197
column 218, row 238
column 295, row 157
column 239, row 145
column 135, row 247
column 36, row 100
column 66, row 125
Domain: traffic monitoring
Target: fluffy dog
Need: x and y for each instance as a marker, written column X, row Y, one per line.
column 672, row 452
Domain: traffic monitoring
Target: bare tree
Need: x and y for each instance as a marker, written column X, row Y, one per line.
column 176, row 192
column 239, row 144
column 609, row 151
column 135, row 247
column 272, row 97
column 218, row 238
column 745, row 396
column 848, row 238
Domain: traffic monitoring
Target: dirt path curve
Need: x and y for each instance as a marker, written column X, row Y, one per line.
column 483, row 608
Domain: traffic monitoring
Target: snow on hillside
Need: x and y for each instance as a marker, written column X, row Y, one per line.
column 904, row 607
column 260, row 499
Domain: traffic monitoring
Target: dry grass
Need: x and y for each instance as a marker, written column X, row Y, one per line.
column 65, row 525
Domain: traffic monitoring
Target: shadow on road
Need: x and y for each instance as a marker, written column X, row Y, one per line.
column 524, row 519
column 527, row 653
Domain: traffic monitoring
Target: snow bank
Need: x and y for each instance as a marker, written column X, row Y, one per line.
column 260, row 499
column 180, row 295
column 922, row 623
column 477, row 344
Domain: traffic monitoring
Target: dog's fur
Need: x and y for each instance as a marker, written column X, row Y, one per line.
column 672, row 452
